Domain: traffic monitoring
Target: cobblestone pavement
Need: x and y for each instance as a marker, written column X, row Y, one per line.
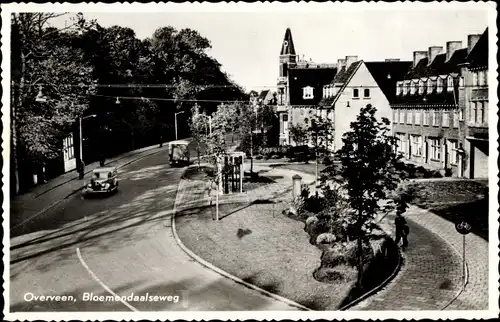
column 430, row 275
column 475, row 294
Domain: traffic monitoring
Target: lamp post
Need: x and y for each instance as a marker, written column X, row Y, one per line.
column 175, row 117
column 81, row 135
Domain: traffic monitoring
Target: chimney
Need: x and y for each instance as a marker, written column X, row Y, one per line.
column 451, row 47
column 433, row 52
column 392, row 59
column 471, row 42
column 349, row 60
column 418, row 55
column 340, row 64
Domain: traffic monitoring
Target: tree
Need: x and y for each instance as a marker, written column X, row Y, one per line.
column 368, row 172
column 298, row 134
column 199, row 129
column 45, row 60
column 247, row 122
column 320, row 132
column 217, row 150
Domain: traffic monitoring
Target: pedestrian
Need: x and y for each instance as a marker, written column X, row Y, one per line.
column 402, row 230
column 81, row 169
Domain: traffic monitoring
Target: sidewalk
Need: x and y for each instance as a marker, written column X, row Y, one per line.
column 431, row 275
column 45, row 196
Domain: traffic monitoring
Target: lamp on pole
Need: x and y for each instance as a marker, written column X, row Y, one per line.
column 175, row 117
column 81, row 135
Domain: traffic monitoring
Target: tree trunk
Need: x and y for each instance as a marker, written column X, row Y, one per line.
column 360, row 252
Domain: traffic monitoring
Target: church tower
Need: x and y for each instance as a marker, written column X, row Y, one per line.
column 288, row 59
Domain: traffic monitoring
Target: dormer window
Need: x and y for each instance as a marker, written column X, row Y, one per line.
column 355, row 93
column 439, row 87
column 449, row 84
column 413, row 87
column 398, row 89
column 405, row 87
column 421, row 84
column 430, row 86
column 307, row 92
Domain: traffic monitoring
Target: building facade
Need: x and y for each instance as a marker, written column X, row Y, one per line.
column 299, row 88
column 356, row 85
column 431, row 106
column 476, row 110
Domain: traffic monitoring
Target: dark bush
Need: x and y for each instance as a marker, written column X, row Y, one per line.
column 436, row 174
column 327, row 161
column 258, row 157
column 448, row 172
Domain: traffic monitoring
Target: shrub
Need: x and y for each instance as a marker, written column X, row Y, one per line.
column 341, row 273
column 297, row 206
column 436, row 174
column 327, row 161
column 448, row 172
column 275, row 156
column 325, row 238
column 258, row 157
column 311, row 220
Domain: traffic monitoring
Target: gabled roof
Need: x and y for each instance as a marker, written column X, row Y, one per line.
column 298, row 78
column 263, row 94
column 439, row 65
column 478, row 57
column 387, row 74
column 342, row 77
column 287, row 48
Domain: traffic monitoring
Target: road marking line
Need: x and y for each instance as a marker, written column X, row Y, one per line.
column 101, row 283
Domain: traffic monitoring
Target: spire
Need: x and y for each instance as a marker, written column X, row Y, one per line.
column 287, row 48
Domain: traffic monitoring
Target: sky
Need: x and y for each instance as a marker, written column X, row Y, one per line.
column 247, row 44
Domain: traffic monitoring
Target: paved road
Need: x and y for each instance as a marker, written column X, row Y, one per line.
column 120, row 245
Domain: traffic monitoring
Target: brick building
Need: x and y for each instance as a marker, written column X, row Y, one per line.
column 300, row 87
column 430, row 106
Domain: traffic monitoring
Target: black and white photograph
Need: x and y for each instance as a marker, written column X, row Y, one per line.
column 250, row 160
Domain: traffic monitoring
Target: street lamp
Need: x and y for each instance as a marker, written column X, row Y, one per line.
column 175, row 117
column 81, row 136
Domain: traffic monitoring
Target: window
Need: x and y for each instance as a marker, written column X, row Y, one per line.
column 401, row 142
column 446, row 119
column 430, row 86
column 435, row 118
column 453, row 151
column 426, row 118
column 421, row 85
column 355, row 93
column 485, row 112
column 285, row 117
column 413, row 87
column 473, row 112
column 418, row 119
column 366, row 93
column 455, row 118
column 307, row 92
column 409, row 117
column 475, row 81
column 449, row 84
column 416, row 145
column 285, row 122
column 405, row 87
column 399, row 88
column 439, row 87
column 482, row 78
column 401, row 117
column 480, row 113
column 395, row 116
column 435, row 149
column 460, row 115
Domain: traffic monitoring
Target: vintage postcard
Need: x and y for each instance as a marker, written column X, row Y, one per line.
column 250, row 161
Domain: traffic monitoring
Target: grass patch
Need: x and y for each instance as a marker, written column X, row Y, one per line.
column 456, row 200
column 265, row 248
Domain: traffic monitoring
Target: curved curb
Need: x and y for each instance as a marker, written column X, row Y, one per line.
column 222, row 272
column 381, row 285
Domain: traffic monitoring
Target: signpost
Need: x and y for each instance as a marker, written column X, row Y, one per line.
column 463, row 228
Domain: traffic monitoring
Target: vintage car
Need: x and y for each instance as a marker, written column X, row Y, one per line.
column 104, row 180
column 178, row 152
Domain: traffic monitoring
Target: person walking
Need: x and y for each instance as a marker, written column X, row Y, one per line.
column 402, row 230
column 81, row 169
